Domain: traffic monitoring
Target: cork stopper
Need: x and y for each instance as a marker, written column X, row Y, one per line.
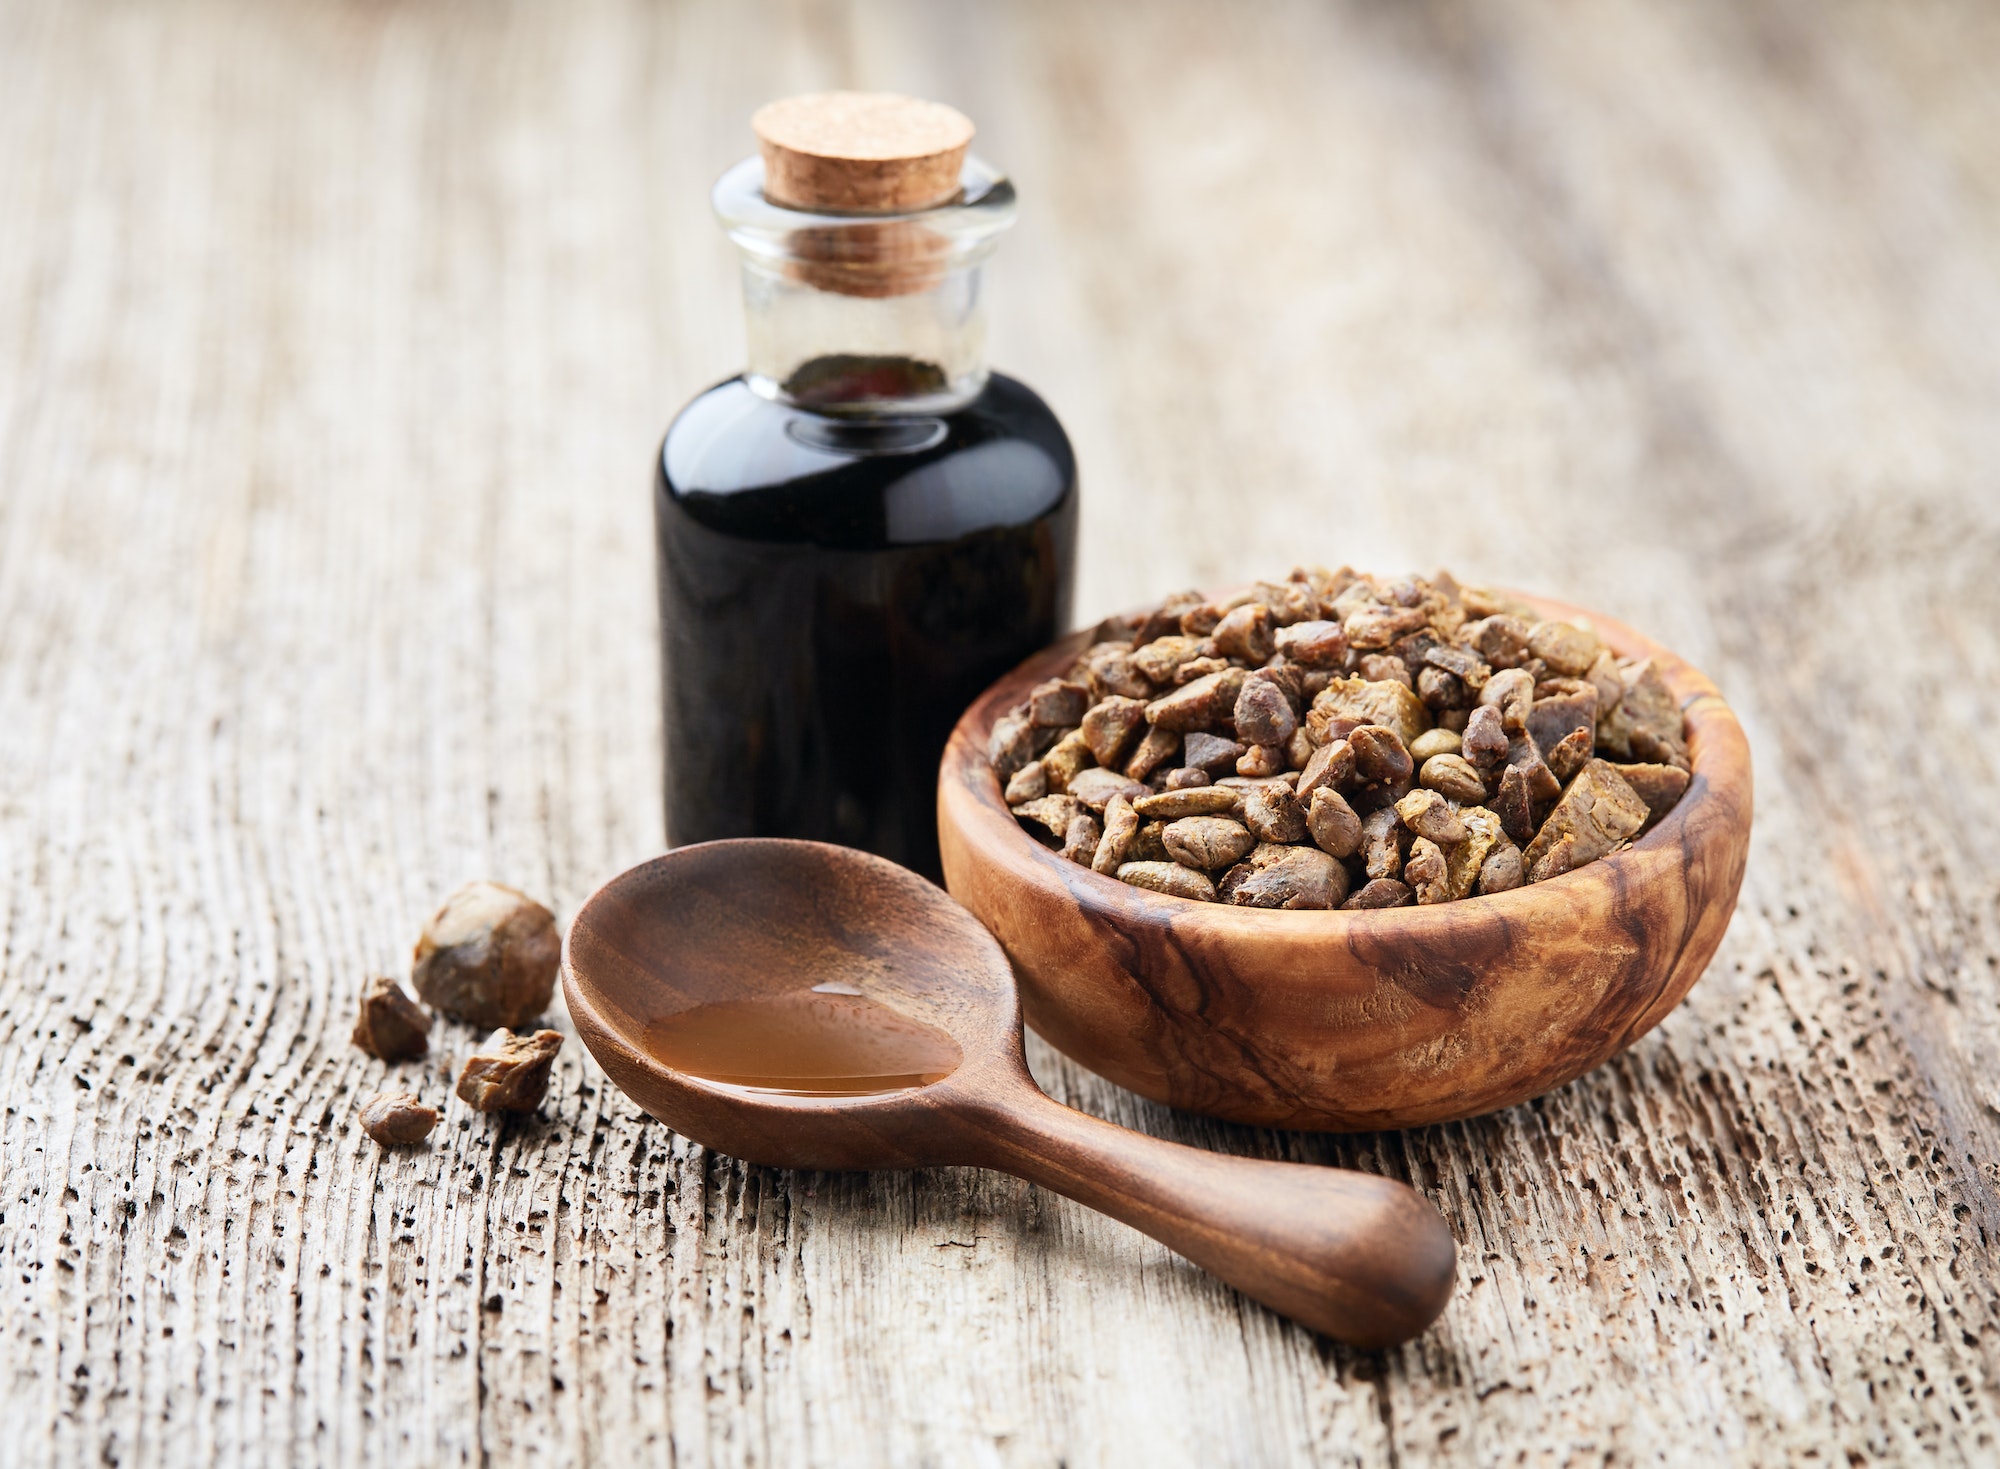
column 861, row 152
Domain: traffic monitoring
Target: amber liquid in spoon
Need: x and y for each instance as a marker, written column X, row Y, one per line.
column 830, row 1041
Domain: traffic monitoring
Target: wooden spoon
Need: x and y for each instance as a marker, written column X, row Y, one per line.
column 807, row 994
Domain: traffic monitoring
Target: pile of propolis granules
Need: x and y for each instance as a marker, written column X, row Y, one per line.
column 1337, row 740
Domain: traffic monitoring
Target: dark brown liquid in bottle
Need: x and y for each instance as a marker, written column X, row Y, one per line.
column 835, row 590
column 824, row 1042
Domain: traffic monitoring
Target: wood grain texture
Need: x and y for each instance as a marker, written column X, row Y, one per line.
column 1355, row 1022
column 335, row 339
column 1361, row 1258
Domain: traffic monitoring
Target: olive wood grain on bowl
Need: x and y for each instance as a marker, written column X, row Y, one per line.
column 1338, row 1021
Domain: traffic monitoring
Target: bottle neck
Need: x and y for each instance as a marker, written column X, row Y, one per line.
column 914, row 351
column 857, row 315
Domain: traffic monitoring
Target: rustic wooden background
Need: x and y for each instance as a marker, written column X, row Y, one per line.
column 335, row 339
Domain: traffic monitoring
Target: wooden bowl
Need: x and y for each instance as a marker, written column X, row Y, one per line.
column 1337, row 1021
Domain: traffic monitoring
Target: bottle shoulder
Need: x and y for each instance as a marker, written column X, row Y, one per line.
column 739, row 463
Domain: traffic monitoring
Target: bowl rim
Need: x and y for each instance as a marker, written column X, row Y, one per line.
column 1720, row 781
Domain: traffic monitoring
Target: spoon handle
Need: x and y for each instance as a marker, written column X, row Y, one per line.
column 1364, row 1259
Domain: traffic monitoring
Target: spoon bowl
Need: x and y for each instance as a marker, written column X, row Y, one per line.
column 689, row 975
column 753, row 922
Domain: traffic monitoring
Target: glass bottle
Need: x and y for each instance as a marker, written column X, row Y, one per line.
column 858, row 533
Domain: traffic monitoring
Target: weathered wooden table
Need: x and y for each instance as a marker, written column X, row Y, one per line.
column 334, row 342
